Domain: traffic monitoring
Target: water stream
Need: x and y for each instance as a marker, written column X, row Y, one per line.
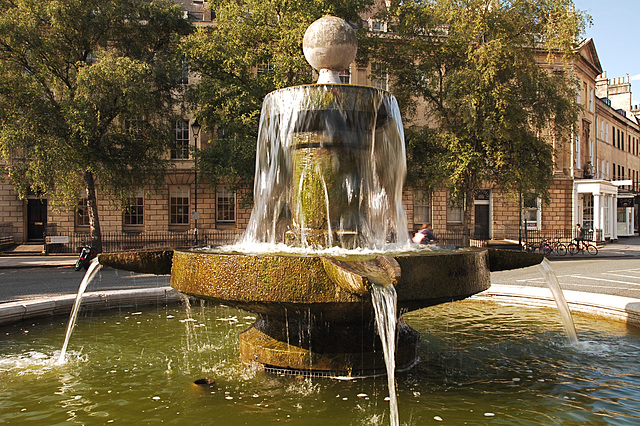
column 384, row 303
column 563, row 308
column 93, row 269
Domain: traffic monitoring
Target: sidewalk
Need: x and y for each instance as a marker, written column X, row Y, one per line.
column 26, row 257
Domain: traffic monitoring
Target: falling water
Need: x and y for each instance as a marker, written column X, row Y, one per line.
column 329, row 159
column 93, row 269
column 384, row 303
column 563, row 307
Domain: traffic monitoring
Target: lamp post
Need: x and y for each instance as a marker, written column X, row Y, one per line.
column 195, row 129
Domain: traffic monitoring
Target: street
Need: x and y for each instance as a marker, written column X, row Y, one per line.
column 29, row 283
column 618, row 277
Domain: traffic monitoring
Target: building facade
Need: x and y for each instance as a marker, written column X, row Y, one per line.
column 596, row 176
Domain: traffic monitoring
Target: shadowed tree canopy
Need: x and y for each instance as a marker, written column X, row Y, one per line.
column 87, row 89
column 252, row 48
column 493, row 111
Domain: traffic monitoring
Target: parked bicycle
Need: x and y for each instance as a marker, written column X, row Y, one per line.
column 580, row 246
column 553, row 246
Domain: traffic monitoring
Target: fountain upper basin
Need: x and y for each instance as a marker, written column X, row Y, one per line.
column 266, row 283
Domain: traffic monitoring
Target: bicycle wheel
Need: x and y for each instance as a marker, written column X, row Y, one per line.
column 545, row 249
column 592, row 249
column 572, row 248
column 561, row 249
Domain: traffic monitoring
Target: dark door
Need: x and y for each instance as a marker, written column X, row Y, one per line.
column 481, row 230
column 36, row 219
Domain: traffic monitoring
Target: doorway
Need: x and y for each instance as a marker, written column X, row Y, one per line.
column 36, row 219
column 482, row 215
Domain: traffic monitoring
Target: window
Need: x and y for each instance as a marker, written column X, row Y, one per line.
column 587, row 212
column 579, row 94
column 184, row 72
column 601, row 129
column 421, row 207
column 181, row 146
column 82, row 212
column 591, row 100
column 225, row 205
column 578, row 151
column 454, row 210
column 133, row 212
column 378, row 25
column 531, row 211
column 264, row 68
column 379, row 77
column 179, row 205
column 345, row 76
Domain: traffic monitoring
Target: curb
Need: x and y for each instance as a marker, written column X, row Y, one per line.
column 620, row 308
column 60, row 305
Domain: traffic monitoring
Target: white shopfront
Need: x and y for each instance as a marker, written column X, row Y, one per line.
column 595, row 207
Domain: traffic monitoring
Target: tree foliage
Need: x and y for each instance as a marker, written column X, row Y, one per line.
column 252, row 48
column 87, row 89
column 493, row 111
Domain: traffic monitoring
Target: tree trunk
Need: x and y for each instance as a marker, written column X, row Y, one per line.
column 92, row 205
column 469, row 198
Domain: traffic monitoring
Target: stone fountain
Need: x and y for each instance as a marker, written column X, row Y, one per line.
column 330, row 171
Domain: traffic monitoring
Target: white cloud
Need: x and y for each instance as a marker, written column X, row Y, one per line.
column 635, row 77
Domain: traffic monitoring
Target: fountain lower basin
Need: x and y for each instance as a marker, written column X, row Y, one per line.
column 315, row 312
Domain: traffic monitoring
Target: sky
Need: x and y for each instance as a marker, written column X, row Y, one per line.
column 614, row 33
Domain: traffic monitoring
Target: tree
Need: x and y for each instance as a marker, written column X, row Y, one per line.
column 252, row 48
column 87, row 89
column 493, row 109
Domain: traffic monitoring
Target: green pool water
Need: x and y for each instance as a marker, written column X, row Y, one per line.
column 480, row 363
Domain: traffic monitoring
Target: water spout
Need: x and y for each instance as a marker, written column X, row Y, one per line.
column 93, row 269
column 565, row 314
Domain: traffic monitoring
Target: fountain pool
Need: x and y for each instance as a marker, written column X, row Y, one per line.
column 140, row 365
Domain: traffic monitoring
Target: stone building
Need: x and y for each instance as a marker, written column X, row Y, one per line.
column 596, row 176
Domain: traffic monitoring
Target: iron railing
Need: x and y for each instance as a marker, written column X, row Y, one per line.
column 535, row 237
column 6, row 232
column 129, row 241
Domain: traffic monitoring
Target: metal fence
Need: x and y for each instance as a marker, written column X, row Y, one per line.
column 6, row 232
column 128, row 241
column 450, row 238
column 565, row 236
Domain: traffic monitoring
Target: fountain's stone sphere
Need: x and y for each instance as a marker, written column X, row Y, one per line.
column 330, row 43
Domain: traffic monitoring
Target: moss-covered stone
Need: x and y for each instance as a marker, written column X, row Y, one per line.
column 145, row 262
column 502, row 260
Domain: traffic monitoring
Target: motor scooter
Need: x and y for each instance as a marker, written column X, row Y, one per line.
column 86, row 255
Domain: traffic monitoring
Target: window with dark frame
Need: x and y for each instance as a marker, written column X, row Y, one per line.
column 82, row 212
column 133, row 212
column 179, row 205
column 181, row 144
column 225, row 205
column 421, row 207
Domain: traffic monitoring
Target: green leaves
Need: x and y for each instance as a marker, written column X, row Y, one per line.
column 252, row 48
column 72, row 73
column 492, row 108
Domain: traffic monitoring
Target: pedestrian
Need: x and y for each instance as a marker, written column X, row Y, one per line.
column 424, row 235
